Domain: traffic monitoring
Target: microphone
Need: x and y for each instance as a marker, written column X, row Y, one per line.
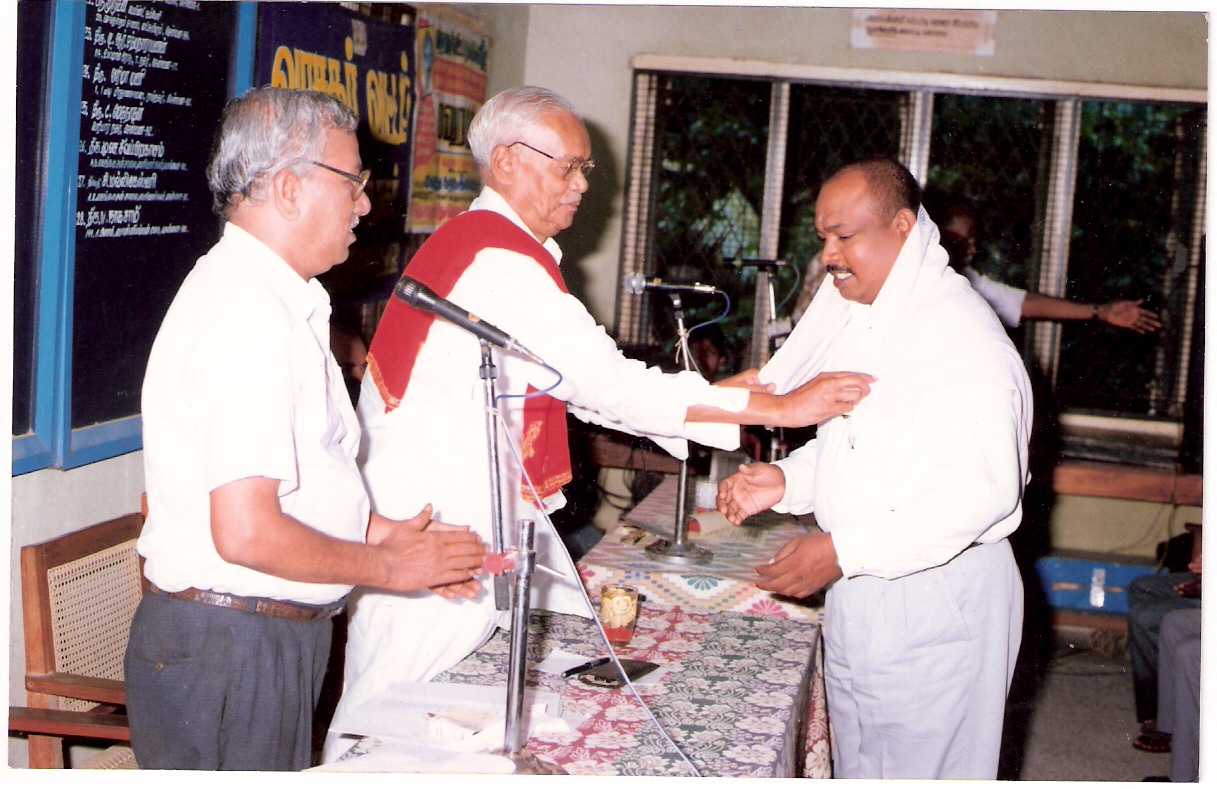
column 636, row 283
column 419, row 296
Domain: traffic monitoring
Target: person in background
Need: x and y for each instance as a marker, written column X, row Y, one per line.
column 1179, row 692
column 1151, row 598
column 708, row 347
column 916, row 490
column 259, row 523
column 499, row 261
column 957, row 221
column 351, row 352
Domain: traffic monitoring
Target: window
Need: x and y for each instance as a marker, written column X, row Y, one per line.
column 1083, row 192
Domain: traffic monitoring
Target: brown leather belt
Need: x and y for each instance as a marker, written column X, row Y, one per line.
column 262, row 606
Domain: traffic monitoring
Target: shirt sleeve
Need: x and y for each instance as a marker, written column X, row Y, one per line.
column 1006, row 301
column 515, row 294
column 799, row 468
column 962, row 483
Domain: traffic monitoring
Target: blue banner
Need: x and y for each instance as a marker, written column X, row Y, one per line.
column 369, row 65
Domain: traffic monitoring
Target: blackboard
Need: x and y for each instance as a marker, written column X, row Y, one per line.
column 154, row 81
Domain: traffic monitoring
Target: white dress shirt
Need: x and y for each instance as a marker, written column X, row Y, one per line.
column 241, row 383
column 935, row 458
column 1006, row 300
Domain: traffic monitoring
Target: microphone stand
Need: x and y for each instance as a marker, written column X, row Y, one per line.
column 680, row 550
column 764, row 322
column 514, row 732
column 487, row 371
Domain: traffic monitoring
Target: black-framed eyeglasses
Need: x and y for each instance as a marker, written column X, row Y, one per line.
column 584, row 166
column 361, row 179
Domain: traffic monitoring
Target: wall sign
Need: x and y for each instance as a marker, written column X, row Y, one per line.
column 959, row 32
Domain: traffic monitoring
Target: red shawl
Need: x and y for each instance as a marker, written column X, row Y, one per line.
column 403, row 329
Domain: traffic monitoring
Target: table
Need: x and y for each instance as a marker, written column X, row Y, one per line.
column 731, row 700
column 725, row 583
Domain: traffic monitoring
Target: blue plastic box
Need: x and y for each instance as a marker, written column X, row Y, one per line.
column 1093, row 584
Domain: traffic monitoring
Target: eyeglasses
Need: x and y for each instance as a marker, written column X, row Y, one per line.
column 361, row 179
column 584, row 166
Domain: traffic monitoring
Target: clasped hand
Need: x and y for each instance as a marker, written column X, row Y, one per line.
column 425, row 553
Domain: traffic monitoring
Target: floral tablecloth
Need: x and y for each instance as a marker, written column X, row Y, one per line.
column 733, row 700
column 725, row 583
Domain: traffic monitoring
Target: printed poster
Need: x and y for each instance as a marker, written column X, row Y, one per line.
column 369, row 65
column 961, row 32
column 452, row 51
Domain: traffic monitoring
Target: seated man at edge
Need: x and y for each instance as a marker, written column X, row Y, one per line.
column 421, row 403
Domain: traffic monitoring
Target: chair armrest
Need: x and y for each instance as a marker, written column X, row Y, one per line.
column 75, row 686
column 63, row 723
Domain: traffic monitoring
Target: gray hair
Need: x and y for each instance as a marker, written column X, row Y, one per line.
column 508, row 115
column 264, row 131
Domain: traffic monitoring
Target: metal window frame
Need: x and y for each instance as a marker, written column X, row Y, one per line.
column 1043, row 342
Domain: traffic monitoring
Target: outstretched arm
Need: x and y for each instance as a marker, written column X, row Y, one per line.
column 1124, row 313
column 823, row 397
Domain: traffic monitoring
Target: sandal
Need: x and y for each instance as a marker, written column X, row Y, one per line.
column 1155, row 742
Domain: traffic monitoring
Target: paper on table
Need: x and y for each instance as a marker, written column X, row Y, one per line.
column 560, row 661
column 396, row 757
column 706, row 522
column 447, row 716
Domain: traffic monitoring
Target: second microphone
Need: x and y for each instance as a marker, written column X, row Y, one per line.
column 636, row 283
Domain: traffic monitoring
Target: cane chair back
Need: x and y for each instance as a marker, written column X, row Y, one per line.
column 79, row 594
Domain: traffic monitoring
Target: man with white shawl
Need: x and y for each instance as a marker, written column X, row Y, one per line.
column 916, row 490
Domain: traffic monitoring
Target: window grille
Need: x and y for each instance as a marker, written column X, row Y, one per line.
column 726, row 160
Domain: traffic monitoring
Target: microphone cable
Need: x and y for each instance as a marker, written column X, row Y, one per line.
column 680, row 346
column 573, row 571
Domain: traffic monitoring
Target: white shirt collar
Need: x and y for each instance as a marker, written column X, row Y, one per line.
column 490, row 200
column 304, row 297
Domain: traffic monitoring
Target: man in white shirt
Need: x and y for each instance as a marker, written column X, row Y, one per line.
column 915, row 490
column 1014, row 305
column 259, row 524
column 421, row 404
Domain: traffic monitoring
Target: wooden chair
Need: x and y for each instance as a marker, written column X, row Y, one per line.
column 79, row 594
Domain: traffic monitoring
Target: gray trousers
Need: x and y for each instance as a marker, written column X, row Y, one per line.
column 917, row 669
column 211, row 688
column 1151, row 597
column 1179, row 691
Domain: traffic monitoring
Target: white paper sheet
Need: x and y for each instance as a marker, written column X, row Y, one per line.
column 448, row 716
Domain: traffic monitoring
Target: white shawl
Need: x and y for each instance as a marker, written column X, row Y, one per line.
column 805, row 352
